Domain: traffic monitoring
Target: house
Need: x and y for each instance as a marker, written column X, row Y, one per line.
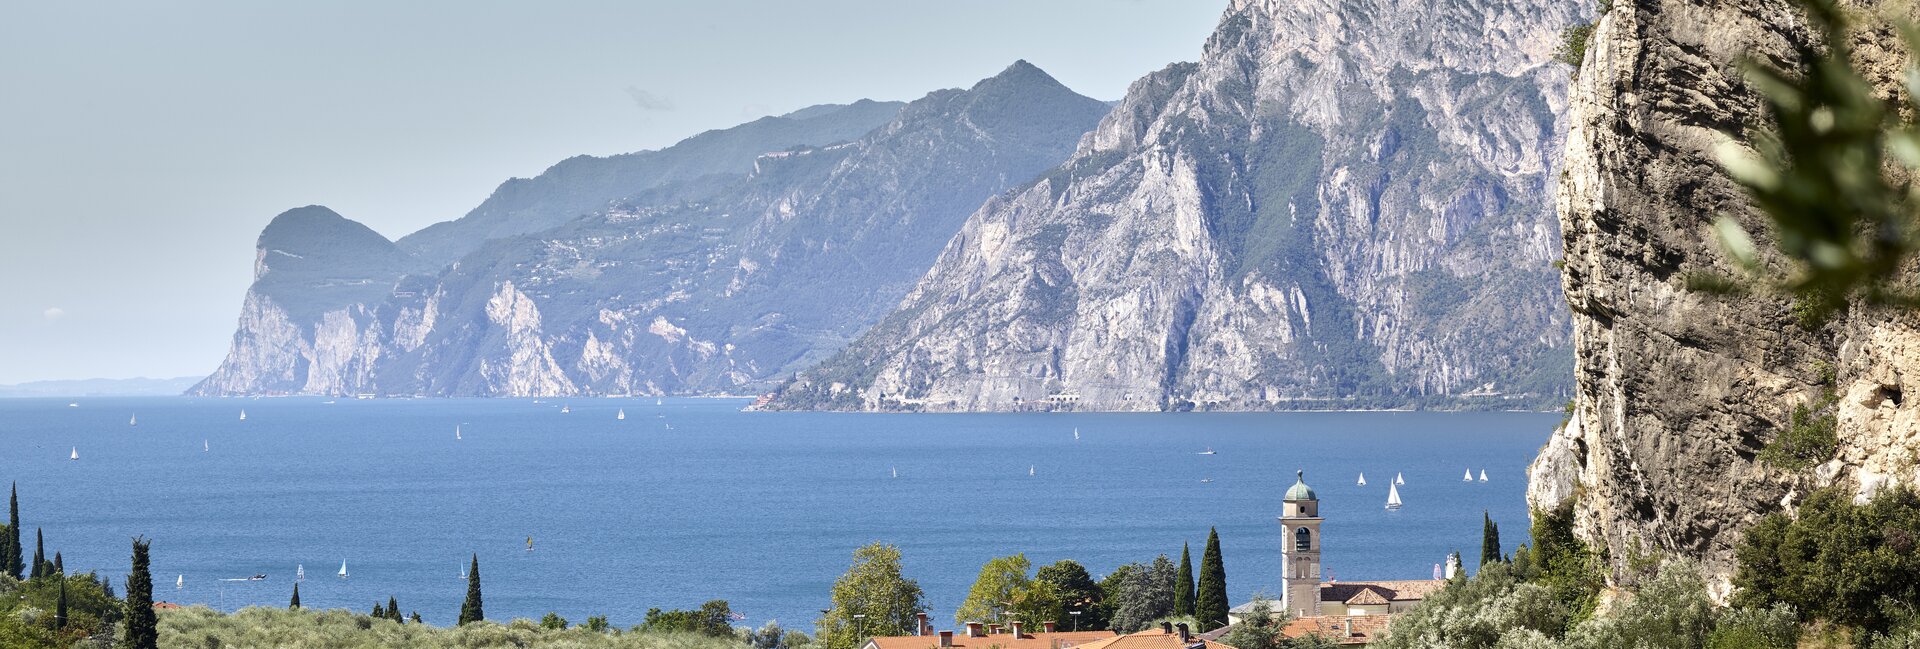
column 1168, row 636
column 983, row 636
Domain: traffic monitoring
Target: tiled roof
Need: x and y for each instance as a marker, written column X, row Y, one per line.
column 1367, row 596
column 1345, row 629
column 1058, row 640
column 1155, row 639
column 1403, row 590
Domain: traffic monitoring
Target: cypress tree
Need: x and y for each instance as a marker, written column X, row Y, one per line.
column 295, row 603
column 59, row 567
column 143, row 630
column 39, row 554
column 14, row 565
column 378, row 613
column 60, row 609
column 1489, row 539
column 393, row 610
column 1210, row 603
column 1183, row 583
column 470, row 610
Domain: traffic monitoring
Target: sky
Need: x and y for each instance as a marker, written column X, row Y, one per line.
column 144, row 145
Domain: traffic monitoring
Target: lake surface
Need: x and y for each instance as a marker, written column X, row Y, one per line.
column 693, row 500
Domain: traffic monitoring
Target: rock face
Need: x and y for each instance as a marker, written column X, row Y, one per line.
column 713, row 283
column 1678, row 391
column 1343, row 204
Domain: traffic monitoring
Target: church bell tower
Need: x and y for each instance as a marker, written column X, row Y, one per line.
column 1300, row 549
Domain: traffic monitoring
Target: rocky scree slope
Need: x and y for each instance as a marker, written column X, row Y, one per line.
column 1345, row 203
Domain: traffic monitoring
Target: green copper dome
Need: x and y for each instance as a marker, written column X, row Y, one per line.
column 1300, row 490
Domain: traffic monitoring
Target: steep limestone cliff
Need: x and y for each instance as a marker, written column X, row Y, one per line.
column 1678, row 391
column 1343, row 204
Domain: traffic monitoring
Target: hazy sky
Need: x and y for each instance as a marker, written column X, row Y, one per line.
column 143, row 145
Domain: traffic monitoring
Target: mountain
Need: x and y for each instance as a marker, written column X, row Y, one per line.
column 711, row 284
column 584, row 184
column 1342, row 204
column 1679, row 391
column 138, row 387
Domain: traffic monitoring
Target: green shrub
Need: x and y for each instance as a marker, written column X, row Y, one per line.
column 1809, row 439
column 1855, row 565
column 1777, row 627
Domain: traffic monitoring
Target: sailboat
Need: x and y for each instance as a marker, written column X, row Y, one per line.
column 564, row 409
column 463, row 571
column 1029, row 470
column 622, row 416
column 243, row 415
column 656, row 402
column 529, row 544
column 180, row 582
column 1076, row 434
column 1483, row 475
column 1468, row 477
column 133, row 420
column 896, row 472
column 1363, row 479
column 1206, row 481
column 73, row 404
column 203, row 446
column 1393, row 498
column 75, row 455
column 343, row 568
column 456, row 431
column 1209, row 451
column 300, row 571
column 1397, row 479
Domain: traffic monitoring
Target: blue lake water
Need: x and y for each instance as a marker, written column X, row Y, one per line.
column 693, row 500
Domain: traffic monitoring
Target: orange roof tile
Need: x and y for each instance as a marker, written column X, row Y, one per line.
column 1401, row 590
column 1345, row 629
column 1043, row 640
column 1155, row 639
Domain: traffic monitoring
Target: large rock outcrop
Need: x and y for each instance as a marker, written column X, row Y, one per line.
column 1678, row 390
column 1343, row 204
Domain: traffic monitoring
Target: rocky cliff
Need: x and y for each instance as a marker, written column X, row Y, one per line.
column 1344, row 203
column 1679, row 391
column 710, row 284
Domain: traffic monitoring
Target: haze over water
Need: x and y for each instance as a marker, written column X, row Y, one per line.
column 693, row 500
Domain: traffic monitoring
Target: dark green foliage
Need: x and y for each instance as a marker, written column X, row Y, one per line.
column 1563, row 563
column 142, row 626
column 1183, row 583
column 1489, row 539
column 1809, row 439
column 595, row 623
column 40, row 564
column 1857, row 565
column 1260, row 629
column 1140, row 594
column 393, row 610
column 415, row 618
column 712, row 619
column 60, row 610
column 295, row 602
column 59, row 566
column 379, row 612
column 14, row 561
column 553, row 620
column 1573, row 45
column 1077, row 592
column 471, row 610
column 873, row 587
column 1477, row 612
column 1210, row 602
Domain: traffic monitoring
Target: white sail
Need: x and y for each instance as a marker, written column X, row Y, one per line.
column 656, row 402
column 564, row 409
column 1363, row 479
column 456, row 431
column 343, row 568
column 1468, row 477
column 1076, row 433
column 896, row 472
column 1029, row 469
column 180, row 583
column 133, row 420
column 1483, row 475
column 300, row 571
column 622, row 416
column 1398, row 479
column 1393, row 497
column 203, row 446
column 243, row 415
column 75, row 455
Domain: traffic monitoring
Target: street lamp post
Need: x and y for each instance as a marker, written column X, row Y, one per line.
column 860, row 626
column 1076, row 619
